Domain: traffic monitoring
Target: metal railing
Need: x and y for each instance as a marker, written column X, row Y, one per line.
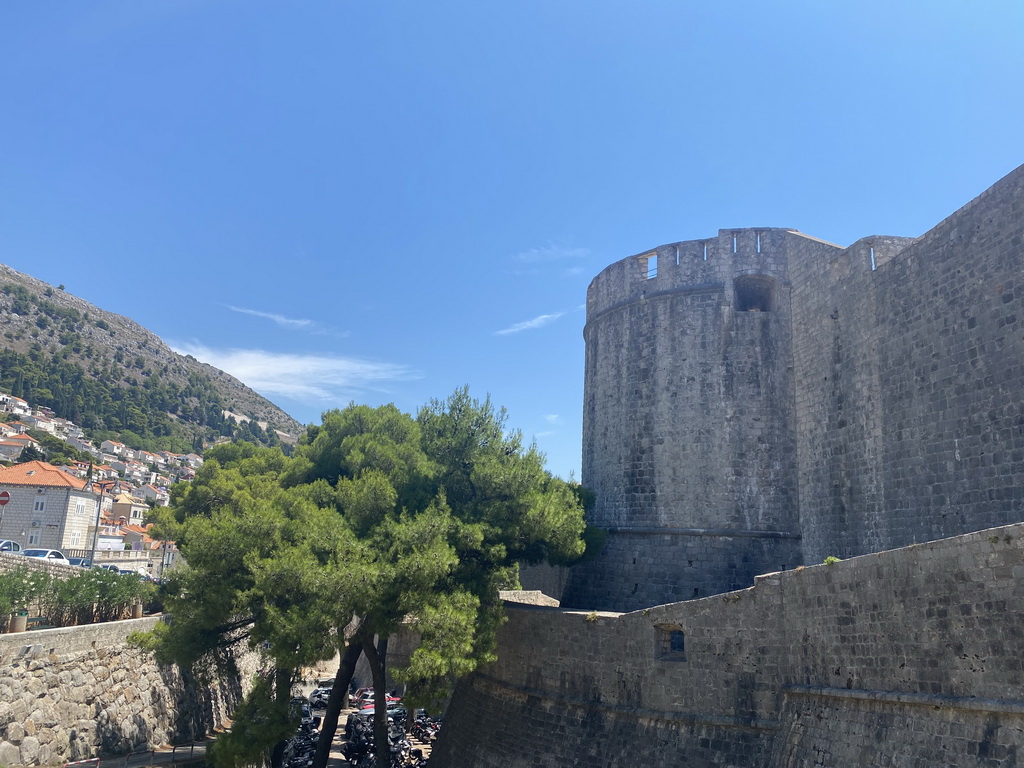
column 183, row 753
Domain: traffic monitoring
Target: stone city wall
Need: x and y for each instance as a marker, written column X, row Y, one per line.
column 827, row 400
column 78, row 692
column 910, row 414
column 907, row 657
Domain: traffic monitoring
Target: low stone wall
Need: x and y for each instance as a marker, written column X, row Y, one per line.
column 10, row 562
column 78, row 692
column 906, row 658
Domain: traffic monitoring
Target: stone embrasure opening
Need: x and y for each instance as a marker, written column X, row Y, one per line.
column 671, row 644
column 754, row 293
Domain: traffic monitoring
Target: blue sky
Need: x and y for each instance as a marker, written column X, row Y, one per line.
column 382, row 201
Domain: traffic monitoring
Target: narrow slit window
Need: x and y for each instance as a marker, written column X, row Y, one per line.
column 872, row 258
column 758, row 242
column 705, row 251
column 734, row 243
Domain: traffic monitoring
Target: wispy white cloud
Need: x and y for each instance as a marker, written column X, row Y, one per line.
column 551, row 253
column 529, row 325
column 537, row 322
column 293, row 323
column 548, row 258
column 306, row 378
column 553, row 418
column 284, row 322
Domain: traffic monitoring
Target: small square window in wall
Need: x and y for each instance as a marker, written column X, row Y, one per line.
column 671, row 644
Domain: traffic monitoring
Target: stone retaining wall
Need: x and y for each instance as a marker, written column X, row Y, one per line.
column 77, row 692
column 906, row 658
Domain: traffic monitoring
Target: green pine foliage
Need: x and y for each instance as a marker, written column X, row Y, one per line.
column 402, row 522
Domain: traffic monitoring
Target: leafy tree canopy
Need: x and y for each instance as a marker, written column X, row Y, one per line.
column 380, row 520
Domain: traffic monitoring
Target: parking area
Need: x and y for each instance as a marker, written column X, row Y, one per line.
column 337, row 757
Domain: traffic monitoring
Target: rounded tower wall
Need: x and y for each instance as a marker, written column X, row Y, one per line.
column 688, row 410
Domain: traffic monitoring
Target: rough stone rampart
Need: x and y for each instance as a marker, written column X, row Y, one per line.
column 903, row 658
column 688, row 440
column 763, row 398
column 909, row 411
column 76, row 692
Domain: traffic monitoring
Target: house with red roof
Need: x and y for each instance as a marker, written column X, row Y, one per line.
column 16, row 405
column 46, row 507
column 10, row 450
column 113, row 447
column 159, row 495
column 131, row 509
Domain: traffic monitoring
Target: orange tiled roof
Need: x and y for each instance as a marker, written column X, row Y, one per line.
column 40, row 473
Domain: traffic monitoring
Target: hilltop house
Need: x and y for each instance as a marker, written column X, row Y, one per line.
column 10, row 450
column 40, row 421
column 131, row 509
column 15, row 405
column 159, row 495
column 22, row 440
column 113, row 447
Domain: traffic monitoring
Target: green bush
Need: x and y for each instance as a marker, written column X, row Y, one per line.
column 19, row 588
column 95, row 595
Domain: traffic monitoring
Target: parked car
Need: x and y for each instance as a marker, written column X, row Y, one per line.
column 10, row 546
column 49, row 555
column 107, row 567
column 318, row 698
column 81, row 562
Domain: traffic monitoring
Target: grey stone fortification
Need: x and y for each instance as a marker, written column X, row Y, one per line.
column 763, row 399
column 760, row 400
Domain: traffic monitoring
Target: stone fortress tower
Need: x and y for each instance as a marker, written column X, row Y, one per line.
column 688, row 438
column 763, row 399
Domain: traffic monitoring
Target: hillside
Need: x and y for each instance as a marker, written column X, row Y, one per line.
column 108, row 374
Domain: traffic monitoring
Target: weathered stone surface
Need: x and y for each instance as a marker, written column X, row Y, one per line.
column 10, row 754
column 764, row 399
column 64, row 704
column 15, row 733
column 904, row 658
column 29, row 750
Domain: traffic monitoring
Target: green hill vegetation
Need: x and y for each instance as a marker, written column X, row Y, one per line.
column 116, row 380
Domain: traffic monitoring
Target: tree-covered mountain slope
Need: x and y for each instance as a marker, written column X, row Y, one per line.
column 111, row 376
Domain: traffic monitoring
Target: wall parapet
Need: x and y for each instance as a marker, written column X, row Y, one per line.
column 909, row 652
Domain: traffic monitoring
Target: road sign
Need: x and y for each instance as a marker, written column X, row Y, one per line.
column 4, row 498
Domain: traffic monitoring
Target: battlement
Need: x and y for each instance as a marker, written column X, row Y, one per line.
column 711, row 263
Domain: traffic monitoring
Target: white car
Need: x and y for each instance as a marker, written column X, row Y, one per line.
column 49, row 555
column 10, row 546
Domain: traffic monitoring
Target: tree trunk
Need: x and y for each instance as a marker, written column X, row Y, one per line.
column 339, row 692
column 376, row 656
column 283, row 694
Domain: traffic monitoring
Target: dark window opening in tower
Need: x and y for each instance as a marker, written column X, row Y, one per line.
column 671, row 644
column 754, row 293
